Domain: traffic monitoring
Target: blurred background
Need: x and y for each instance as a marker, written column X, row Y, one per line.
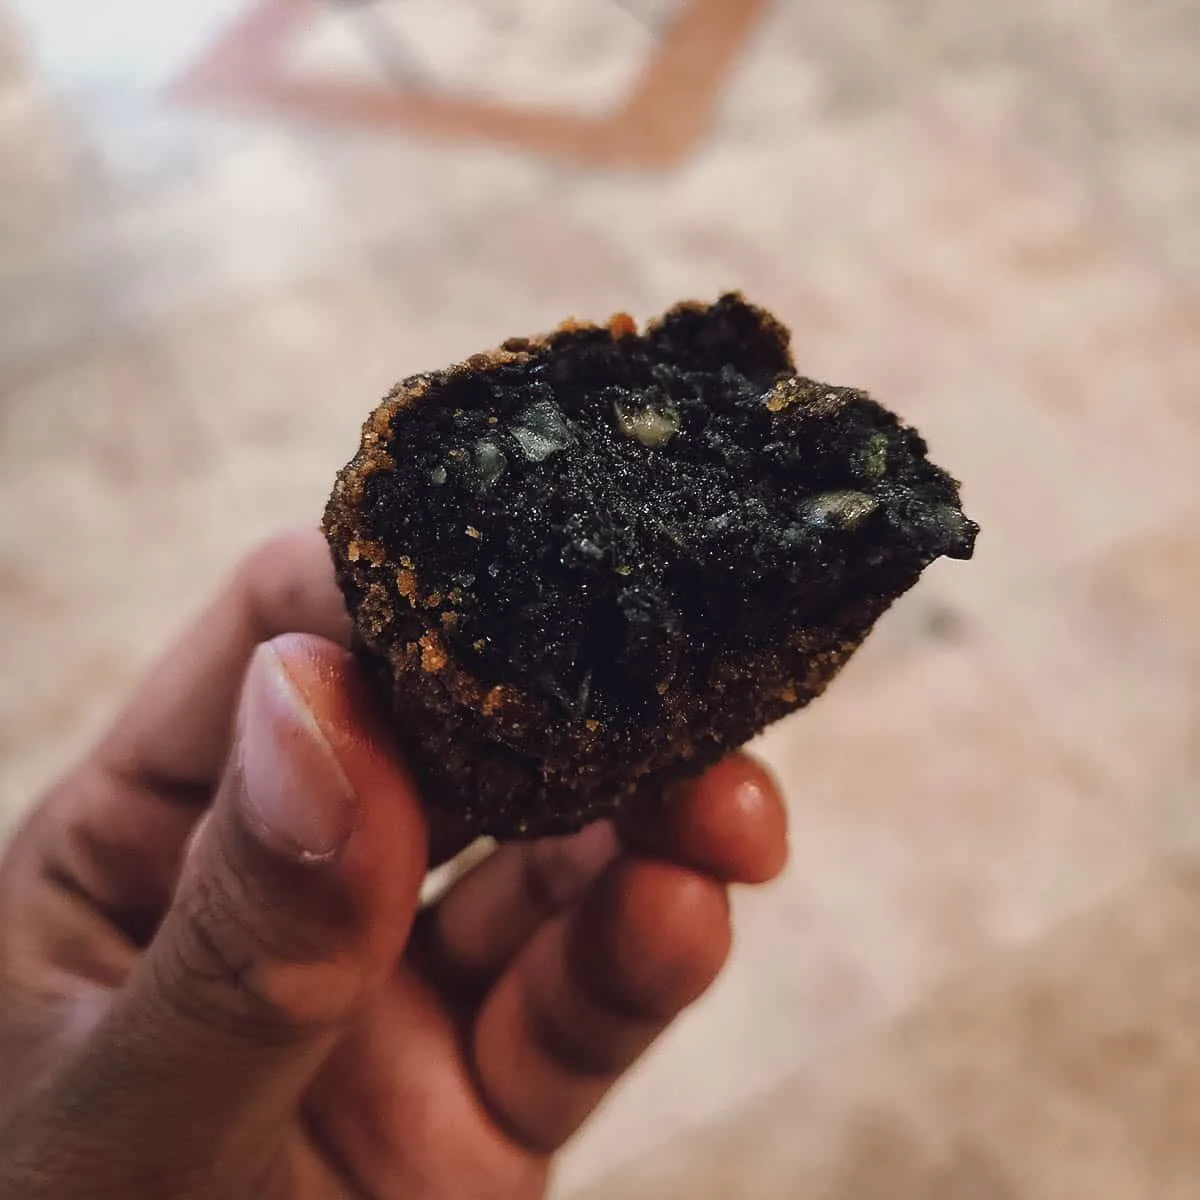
column 227, row 226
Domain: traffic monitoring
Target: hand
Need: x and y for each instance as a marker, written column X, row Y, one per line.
column 214, row 980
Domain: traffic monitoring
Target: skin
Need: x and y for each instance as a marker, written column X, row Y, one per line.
column 214, row 977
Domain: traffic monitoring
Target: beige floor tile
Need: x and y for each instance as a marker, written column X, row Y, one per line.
column 1068, row 1070
column 292, row 369
column 1110, row 651
column 936, row 818
column 1154, row 583
column 1112, row 98
column 256, row 217
column 34, row 181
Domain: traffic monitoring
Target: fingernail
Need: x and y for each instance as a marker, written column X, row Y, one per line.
column 294, row 790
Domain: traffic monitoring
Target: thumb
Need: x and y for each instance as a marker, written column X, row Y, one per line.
column 293, row 907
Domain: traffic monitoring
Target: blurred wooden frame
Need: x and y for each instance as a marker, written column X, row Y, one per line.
column 667, row 112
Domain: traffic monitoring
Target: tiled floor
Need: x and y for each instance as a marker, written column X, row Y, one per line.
column 977, row 980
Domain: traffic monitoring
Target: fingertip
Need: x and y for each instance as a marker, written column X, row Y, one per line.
column 742, row 809
column 390, row 842
column 331, row 684
column 730, row 822
column 288, row 785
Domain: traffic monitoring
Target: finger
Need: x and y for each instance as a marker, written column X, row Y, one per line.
column 469, row 937
column 112, row 834
column 294, row 904
column 730, row 823
column 592, row 991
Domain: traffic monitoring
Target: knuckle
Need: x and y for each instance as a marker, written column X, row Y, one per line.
column 229, row 960
column 553, row 875
column 656, row 942
column 590, row 1049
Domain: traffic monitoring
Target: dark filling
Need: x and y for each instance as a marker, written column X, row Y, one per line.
column 611, row 514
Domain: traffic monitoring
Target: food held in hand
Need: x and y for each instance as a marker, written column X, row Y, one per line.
column 586, row 565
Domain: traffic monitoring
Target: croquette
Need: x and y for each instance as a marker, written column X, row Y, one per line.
column 586, row 565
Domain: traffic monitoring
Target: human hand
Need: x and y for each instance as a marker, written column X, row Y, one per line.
column 214, row 978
